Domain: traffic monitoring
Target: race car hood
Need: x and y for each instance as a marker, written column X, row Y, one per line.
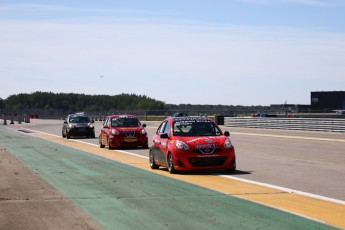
column 128, row 129
column 207, row 141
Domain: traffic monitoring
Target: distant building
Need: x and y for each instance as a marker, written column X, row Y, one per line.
column 321, row 101
column 328, row 100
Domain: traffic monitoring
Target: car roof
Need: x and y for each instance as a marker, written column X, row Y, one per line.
column 82, row 113
column 79, row 114
column 191, row 119
column 180, row 114
column 122, row 116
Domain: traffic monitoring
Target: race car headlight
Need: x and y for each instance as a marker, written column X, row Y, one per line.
column 181, row 145
column 227, row 144
column 70, row 126
column 91, row 126
column 143, row 131
column 115, row 132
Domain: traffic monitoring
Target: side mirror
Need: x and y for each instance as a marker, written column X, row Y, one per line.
column 164, row 136
column 227, row 134
column 144, row 125
column 65, row 122
column 92, row 121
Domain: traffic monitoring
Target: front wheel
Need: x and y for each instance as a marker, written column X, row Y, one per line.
column 153, row 165
column 231, row 170
column 171, row 167
column 109, row 147
column 100, row 144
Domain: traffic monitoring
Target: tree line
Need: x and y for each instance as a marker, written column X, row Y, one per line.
column 72, row 102
column 80, row 102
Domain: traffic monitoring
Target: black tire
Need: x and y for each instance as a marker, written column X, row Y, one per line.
column 231, row 170
column 100, row 144
column 63, row 135
column 67, row 135
column 146, row 145
column 153, row 165
column 171, row 167
column 109, row 147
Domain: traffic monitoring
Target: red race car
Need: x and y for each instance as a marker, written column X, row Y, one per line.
column 123, row 131
column 190, row 143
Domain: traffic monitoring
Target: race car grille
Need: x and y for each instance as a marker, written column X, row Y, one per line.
column 207, row 161
column 129, row 134
column 207, row 150
column 80, row 129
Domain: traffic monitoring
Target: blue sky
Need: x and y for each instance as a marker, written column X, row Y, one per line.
column 229, row 52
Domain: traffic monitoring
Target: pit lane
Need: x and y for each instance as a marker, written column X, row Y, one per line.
column 286, row 159
column 297, row 160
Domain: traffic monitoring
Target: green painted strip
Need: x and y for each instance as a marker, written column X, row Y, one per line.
column 122, row 197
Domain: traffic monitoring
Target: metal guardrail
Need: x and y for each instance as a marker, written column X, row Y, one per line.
column 11, row 119
column 311, row 124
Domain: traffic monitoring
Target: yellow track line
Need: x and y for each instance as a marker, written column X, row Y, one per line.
column 324, row 211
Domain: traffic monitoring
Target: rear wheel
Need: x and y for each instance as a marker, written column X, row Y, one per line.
column 153, row 165
column 171, row 167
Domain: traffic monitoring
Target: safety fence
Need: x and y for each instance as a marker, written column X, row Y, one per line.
column 311, row 124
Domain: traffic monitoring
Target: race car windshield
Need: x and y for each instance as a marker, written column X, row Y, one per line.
column 125, row 122
column 79, row 119
column 195, row 128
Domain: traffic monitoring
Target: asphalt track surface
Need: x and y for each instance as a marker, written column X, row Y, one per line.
column 293, row 180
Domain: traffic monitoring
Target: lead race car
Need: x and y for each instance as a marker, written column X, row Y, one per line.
column 191, row 143
column 123, row 131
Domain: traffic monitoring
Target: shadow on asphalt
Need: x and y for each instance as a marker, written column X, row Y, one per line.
column 209, row 172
